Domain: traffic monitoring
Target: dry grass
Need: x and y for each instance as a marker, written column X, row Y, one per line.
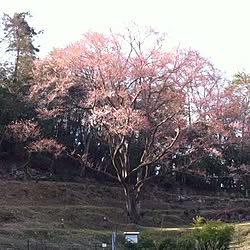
column 241, row 239
column 67, row 214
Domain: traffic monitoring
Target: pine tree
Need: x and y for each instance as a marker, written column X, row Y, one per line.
column 19, row 41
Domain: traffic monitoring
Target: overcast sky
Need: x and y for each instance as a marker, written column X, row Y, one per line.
column 219, row 29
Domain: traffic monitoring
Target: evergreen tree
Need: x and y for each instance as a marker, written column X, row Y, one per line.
column 19, row 41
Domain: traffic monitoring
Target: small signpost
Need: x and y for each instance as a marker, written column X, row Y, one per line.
column 113, row 244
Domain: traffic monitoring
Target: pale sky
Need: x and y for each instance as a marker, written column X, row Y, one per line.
column 219, row 29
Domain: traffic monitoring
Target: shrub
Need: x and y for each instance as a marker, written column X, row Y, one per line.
column 180, row 243
column 207, row 235
column 130, row 246
column 186, row 243
column 169, row 243
column 213, row 235
column 146, row 244
column 198, row 221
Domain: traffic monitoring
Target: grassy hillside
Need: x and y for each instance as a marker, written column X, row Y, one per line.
column 71, row 215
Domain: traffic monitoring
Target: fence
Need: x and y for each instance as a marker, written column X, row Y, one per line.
column 44, row 245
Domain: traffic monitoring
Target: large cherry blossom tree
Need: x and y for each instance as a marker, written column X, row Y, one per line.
column 136, row 93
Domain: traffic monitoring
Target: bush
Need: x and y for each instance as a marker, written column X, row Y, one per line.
column 145, row 243
column 186, row 243
column 130, row 246
column 198, row 221
column 180, row 243
column 213, row 235
column 207, row 235
column 169, row 243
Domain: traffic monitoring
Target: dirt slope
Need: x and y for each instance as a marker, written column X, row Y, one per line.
column 63, row 215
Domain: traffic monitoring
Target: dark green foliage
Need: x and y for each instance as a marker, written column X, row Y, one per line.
column 15, row 76
column 186, row 243
column 180, row 243
column 18, row 41
column 19, row 34
column 214, row 235
column 130, row 246
column 12, row 108
column 169, row 243
column 146, row 244
column 212, row 165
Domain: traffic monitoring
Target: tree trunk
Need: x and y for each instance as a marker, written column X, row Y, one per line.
column 1, row 140
column 133, row 206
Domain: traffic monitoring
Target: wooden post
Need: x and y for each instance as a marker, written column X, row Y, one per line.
column 28, row 244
